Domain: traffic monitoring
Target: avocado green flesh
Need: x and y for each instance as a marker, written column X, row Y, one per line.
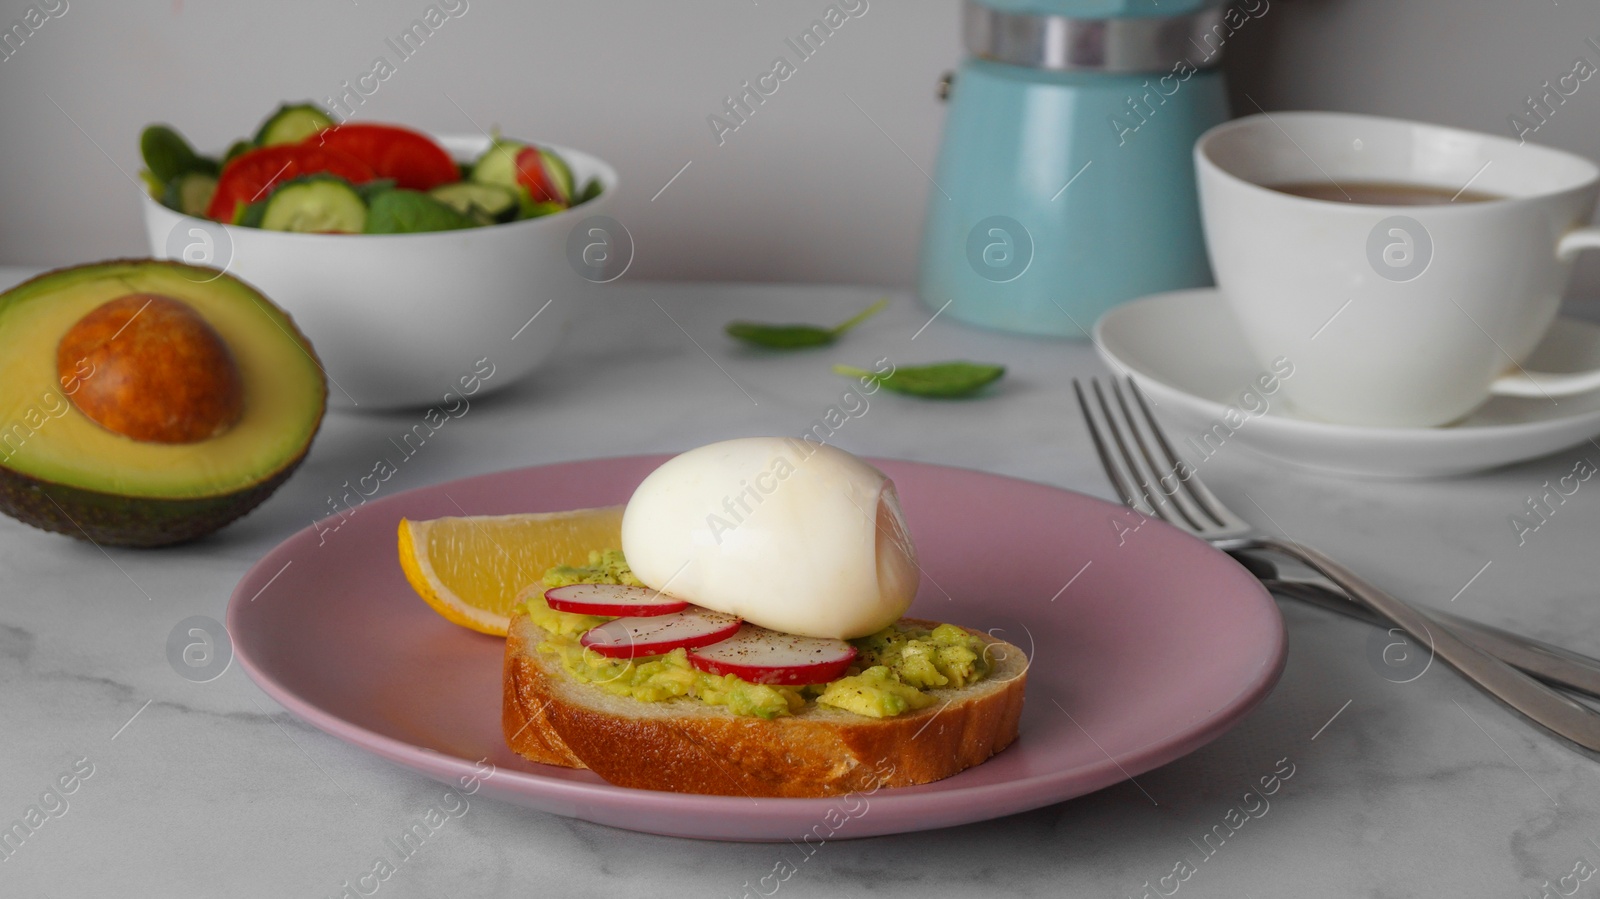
column 61, row 471
column 892, row 668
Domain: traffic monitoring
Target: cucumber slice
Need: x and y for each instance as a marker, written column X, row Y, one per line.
column 190, row 194
column 559, row 172
column 497, row 203
column 291, row 124
column 498, row 164
column 315, row 204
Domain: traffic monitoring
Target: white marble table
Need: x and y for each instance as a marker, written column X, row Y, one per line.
column 1423, row 788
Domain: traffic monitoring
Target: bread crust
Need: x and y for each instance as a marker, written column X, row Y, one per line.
column 691, row 747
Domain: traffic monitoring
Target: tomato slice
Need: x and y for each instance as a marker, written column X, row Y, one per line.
column 411, row 158
column 252, row 174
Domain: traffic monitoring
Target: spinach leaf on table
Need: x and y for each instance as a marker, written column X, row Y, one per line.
column 941, row 380
column 798, row 336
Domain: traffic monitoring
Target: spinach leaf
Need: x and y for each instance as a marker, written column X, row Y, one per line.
column 942, row 380
column 792, row 337
column 409, row 212
column 371, row 190
column 167, row 155
column 591, row 189
column 235, row 149
column 529, row 208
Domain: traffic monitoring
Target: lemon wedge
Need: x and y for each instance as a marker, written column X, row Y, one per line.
column 470, row 569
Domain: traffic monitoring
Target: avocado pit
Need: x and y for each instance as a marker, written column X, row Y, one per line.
column 150, row 368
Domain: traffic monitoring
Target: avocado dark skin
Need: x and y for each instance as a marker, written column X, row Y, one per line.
column 109, row 519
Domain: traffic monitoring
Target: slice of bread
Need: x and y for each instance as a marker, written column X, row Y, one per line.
column 688, row 746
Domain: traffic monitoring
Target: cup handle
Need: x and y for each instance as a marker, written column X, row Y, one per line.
column 1522, row 382
column 1576, row 241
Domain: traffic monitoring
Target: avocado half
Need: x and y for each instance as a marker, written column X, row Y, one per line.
column 62, row 472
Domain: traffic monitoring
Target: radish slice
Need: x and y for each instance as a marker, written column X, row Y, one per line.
column 612, row 599
column 630, row 638
column 764, row 656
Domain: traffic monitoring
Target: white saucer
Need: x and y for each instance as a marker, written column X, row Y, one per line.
column 1184, row 350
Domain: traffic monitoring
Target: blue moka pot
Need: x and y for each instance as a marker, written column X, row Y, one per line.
column 1065, row 184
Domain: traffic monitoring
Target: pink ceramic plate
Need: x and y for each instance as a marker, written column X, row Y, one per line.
column 1146, row 644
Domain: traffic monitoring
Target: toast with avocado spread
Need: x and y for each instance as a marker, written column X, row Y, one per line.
column 922, row 701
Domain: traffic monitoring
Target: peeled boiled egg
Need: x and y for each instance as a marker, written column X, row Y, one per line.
column 787, row 534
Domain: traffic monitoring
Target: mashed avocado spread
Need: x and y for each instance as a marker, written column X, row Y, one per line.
column 892, row 669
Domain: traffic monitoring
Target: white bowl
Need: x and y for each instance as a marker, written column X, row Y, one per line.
column 401, row 320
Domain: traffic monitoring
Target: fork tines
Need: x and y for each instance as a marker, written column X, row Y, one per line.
column 1138, row 459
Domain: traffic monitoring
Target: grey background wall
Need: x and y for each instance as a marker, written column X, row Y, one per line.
column 822, row 184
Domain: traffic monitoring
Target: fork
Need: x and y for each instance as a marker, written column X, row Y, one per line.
column 1555, row 665
column 1153, row 481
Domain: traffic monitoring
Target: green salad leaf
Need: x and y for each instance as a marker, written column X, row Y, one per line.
column 529, row 208
column 943, row 380
column 411, row 211
column 252, row 213
column 793, row 337
column 591, row 189
column 236, row 148
column 167, row 155
column 371, row 190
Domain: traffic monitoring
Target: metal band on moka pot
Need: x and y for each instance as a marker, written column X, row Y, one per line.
column 1114, row 46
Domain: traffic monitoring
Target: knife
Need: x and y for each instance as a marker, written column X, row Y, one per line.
column 1550, row 663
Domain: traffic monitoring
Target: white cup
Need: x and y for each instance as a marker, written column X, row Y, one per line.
column 1394, row 315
